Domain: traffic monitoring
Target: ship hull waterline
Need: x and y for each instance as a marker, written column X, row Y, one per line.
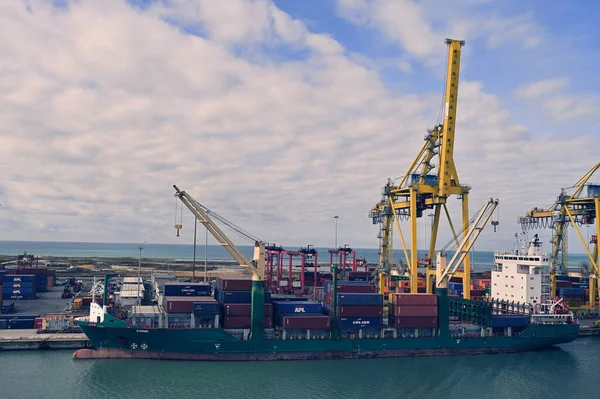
column 218, row 345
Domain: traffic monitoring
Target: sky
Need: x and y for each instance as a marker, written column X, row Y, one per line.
column 279, row 115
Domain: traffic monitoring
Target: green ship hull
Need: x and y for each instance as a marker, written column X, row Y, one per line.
column 113, row 339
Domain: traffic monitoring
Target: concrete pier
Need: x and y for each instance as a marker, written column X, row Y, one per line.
column 31, row 340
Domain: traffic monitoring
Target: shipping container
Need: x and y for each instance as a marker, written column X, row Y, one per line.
column 3, row 324
column 353, row 324
column 37, row 323
column 360, row 311
column 179, row 304
column 18, row 277
column 510, row 321
column 571, row 292
column 360, row 299
column 321, row 322
column 244, row 309
column 206, row 307
column 187, row 289
column 234, row 284
column 358, row 289
column 20, row 324
column 237, row 296
column 414, row 299
column 243, row 322
column 295, row 307
column 415, row 310
column 8, row 307
column 414, row 321
column 18, row 296
column 282, row 298
column 562, row 278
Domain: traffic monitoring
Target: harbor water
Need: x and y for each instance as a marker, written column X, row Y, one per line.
column 569, row 371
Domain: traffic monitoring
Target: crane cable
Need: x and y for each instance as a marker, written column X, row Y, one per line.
column 233, row 227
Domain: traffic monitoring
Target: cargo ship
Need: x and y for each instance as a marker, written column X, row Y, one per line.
column 420, row 325
column 238, row 320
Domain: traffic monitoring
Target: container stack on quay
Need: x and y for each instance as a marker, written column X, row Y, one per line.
column 235, row 297
column 19, row 286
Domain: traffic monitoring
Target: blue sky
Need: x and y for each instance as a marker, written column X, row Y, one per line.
column 280, row 114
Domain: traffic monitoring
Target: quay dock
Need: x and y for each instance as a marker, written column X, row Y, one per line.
column 31, row 340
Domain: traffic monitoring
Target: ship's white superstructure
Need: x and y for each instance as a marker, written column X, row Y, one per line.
column 522, row 275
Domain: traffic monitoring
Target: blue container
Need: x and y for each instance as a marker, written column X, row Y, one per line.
column 562, row 278
column 206, row 307
column 455, row 286
column 184, row 289
column 8, row 307
column 510, row 321
column 17, row 296
column 297, row 307
column 18, row 277
column 288, row 299
column 571, row 292
column 20, row 324
column 360, row 299
column 237, row 296
column 353, row 324
column 17, row 290
column 3, row 324
column 17, row 285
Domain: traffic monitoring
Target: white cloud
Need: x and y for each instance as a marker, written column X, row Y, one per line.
column 419, row 27
column 104, row 107
column 541, row 88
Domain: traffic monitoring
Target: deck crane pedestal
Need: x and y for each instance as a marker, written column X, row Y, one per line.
column 575, row 206
column 420, row 190
column 256, row 267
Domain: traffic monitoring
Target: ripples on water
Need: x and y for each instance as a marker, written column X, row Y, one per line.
column 567, row 372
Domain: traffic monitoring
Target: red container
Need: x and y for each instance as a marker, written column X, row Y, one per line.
column 243, row 322
column 234, row 284
column 244, row 309
column 477, row 293
column 37, row 323
column 356, row 289
column 360, row 311
column 414, row 299
column 50, row 280
column 34, row 270
column 320, row 322
column 415, row 310
column 415, row 322
column 180, row 304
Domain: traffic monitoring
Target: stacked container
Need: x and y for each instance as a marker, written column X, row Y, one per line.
column 235, row 303
column 178, row 303
column 41, row 277
column 18, row 286
column 414, row 311
column 360, row 311
column 302, row 315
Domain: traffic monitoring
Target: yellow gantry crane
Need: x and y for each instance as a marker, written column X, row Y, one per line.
column 420, row 190
column 577, row 205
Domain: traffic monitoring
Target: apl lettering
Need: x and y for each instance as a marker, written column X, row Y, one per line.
column 299, row 310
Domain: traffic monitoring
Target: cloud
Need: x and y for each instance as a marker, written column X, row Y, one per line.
column 419, row 27
column 541, row 88
column 104, row 107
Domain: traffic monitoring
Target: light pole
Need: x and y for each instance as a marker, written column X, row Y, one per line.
column 336, row 217
column 205, row 253
column 140, row 247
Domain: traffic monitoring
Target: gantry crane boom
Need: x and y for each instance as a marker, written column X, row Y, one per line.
column 446, row 270
column 420, row 190
column 256, row 267
column 580, row 207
